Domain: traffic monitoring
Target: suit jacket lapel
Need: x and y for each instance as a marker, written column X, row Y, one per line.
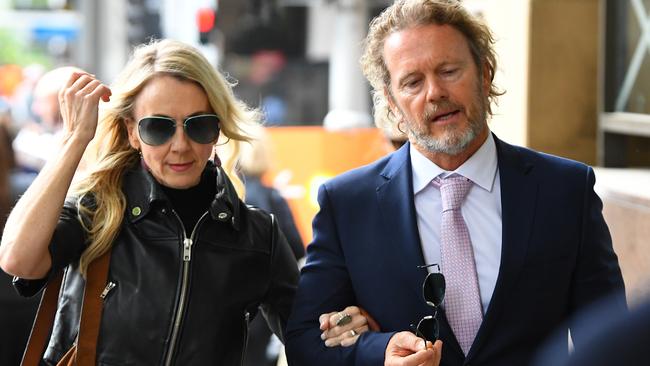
column 518, row 200
column 397, row 211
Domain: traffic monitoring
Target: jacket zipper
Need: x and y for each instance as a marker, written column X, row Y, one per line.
column 247, row 316
column 180, row 308
column 107, row 289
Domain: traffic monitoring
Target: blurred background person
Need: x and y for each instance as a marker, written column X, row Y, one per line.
column 256, row 159
column 6, row 159
column 394, row 137
column 266, row 78
column 6, row 163
column 612, row 337
column 37, row 141
column 17, row 312
column 23, row 95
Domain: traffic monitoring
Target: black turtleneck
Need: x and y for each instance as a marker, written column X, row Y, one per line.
column 191, row 203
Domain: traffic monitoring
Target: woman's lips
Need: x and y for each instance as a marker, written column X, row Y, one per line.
column 180, row 167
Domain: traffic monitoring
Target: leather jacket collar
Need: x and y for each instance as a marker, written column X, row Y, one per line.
column 142, row 190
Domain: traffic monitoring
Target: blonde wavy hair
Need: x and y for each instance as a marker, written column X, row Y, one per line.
column 113, row 155
column 404, row 14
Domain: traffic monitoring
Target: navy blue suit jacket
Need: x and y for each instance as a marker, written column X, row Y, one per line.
column 556, row 258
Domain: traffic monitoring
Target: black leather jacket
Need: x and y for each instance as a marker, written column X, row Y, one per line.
column 174, row 300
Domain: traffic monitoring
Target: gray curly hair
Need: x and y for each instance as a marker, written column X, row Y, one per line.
column 405, row 14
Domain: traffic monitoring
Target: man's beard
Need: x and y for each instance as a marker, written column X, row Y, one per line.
column 455, row 139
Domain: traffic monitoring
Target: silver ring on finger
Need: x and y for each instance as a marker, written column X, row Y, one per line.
column 344, row 318
column 353, row 333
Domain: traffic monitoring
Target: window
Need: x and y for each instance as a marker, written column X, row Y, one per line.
column 625, row 115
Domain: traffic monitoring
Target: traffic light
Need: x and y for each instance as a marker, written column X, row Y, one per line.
column 205, row 18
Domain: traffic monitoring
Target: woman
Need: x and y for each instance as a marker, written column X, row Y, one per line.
column 190, row 263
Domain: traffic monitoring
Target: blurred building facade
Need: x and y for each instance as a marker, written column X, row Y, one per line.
column 576, row 72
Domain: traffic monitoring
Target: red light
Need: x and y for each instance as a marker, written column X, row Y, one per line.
column 205, row 19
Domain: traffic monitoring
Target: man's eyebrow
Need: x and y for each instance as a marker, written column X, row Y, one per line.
column 403, row 78
column 455, row 63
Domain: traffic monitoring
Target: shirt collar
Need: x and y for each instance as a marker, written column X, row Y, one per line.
column 480, row 168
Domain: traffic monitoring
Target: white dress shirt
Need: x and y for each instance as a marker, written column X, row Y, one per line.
column 481, row 211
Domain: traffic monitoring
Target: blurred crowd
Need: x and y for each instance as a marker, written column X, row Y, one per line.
column 30, row 122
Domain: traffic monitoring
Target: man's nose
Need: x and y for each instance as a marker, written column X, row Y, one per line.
column 436, row 90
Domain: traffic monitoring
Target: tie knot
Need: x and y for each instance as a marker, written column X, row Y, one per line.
column 453, row 191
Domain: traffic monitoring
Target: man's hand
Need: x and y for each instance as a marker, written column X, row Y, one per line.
column 407, row 349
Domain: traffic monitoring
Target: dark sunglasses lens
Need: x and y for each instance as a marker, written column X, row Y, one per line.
column 156, row 131
column 428, row 328
column 433, row 289
column 203, row 129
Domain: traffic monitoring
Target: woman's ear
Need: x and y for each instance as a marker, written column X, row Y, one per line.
column 134, row 141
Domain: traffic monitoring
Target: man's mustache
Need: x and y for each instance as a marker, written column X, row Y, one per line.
column 432, row 108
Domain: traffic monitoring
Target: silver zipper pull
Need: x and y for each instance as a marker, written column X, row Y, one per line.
column 107, row 289
column 187, row 249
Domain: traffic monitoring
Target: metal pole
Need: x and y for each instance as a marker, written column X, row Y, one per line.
column 349, row 99
column 88, row 52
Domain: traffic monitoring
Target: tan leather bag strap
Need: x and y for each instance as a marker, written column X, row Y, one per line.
column 43, row 322
column 91, row 312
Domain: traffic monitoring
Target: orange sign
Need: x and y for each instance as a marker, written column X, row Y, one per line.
column 305, row 157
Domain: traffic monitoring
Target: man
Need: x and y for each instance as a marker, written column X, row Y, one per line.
column 523, row 245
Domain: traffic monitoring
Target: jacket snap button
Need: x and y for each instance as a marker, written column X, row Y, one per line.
column 136, row 211
column 222, row 215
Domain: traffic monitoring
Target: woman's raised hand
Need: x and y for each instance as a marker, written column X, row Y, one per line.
column 79, row 102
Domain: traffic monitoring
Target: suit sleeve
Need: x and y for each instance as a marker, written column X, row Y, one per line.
column 597, row 272
column 325, row 286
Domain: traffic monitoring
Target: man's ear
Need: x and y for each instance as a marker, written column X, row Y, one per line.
column 391, row 101
column 487, row 78
column 134, row 141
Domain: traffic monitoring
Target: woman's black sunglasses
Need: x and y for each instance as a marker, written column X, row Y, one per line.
column 433, row 292
column 157, row 130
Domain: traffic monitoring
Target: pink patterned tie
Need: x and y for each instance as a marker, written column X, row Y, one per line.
column 462, row 300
